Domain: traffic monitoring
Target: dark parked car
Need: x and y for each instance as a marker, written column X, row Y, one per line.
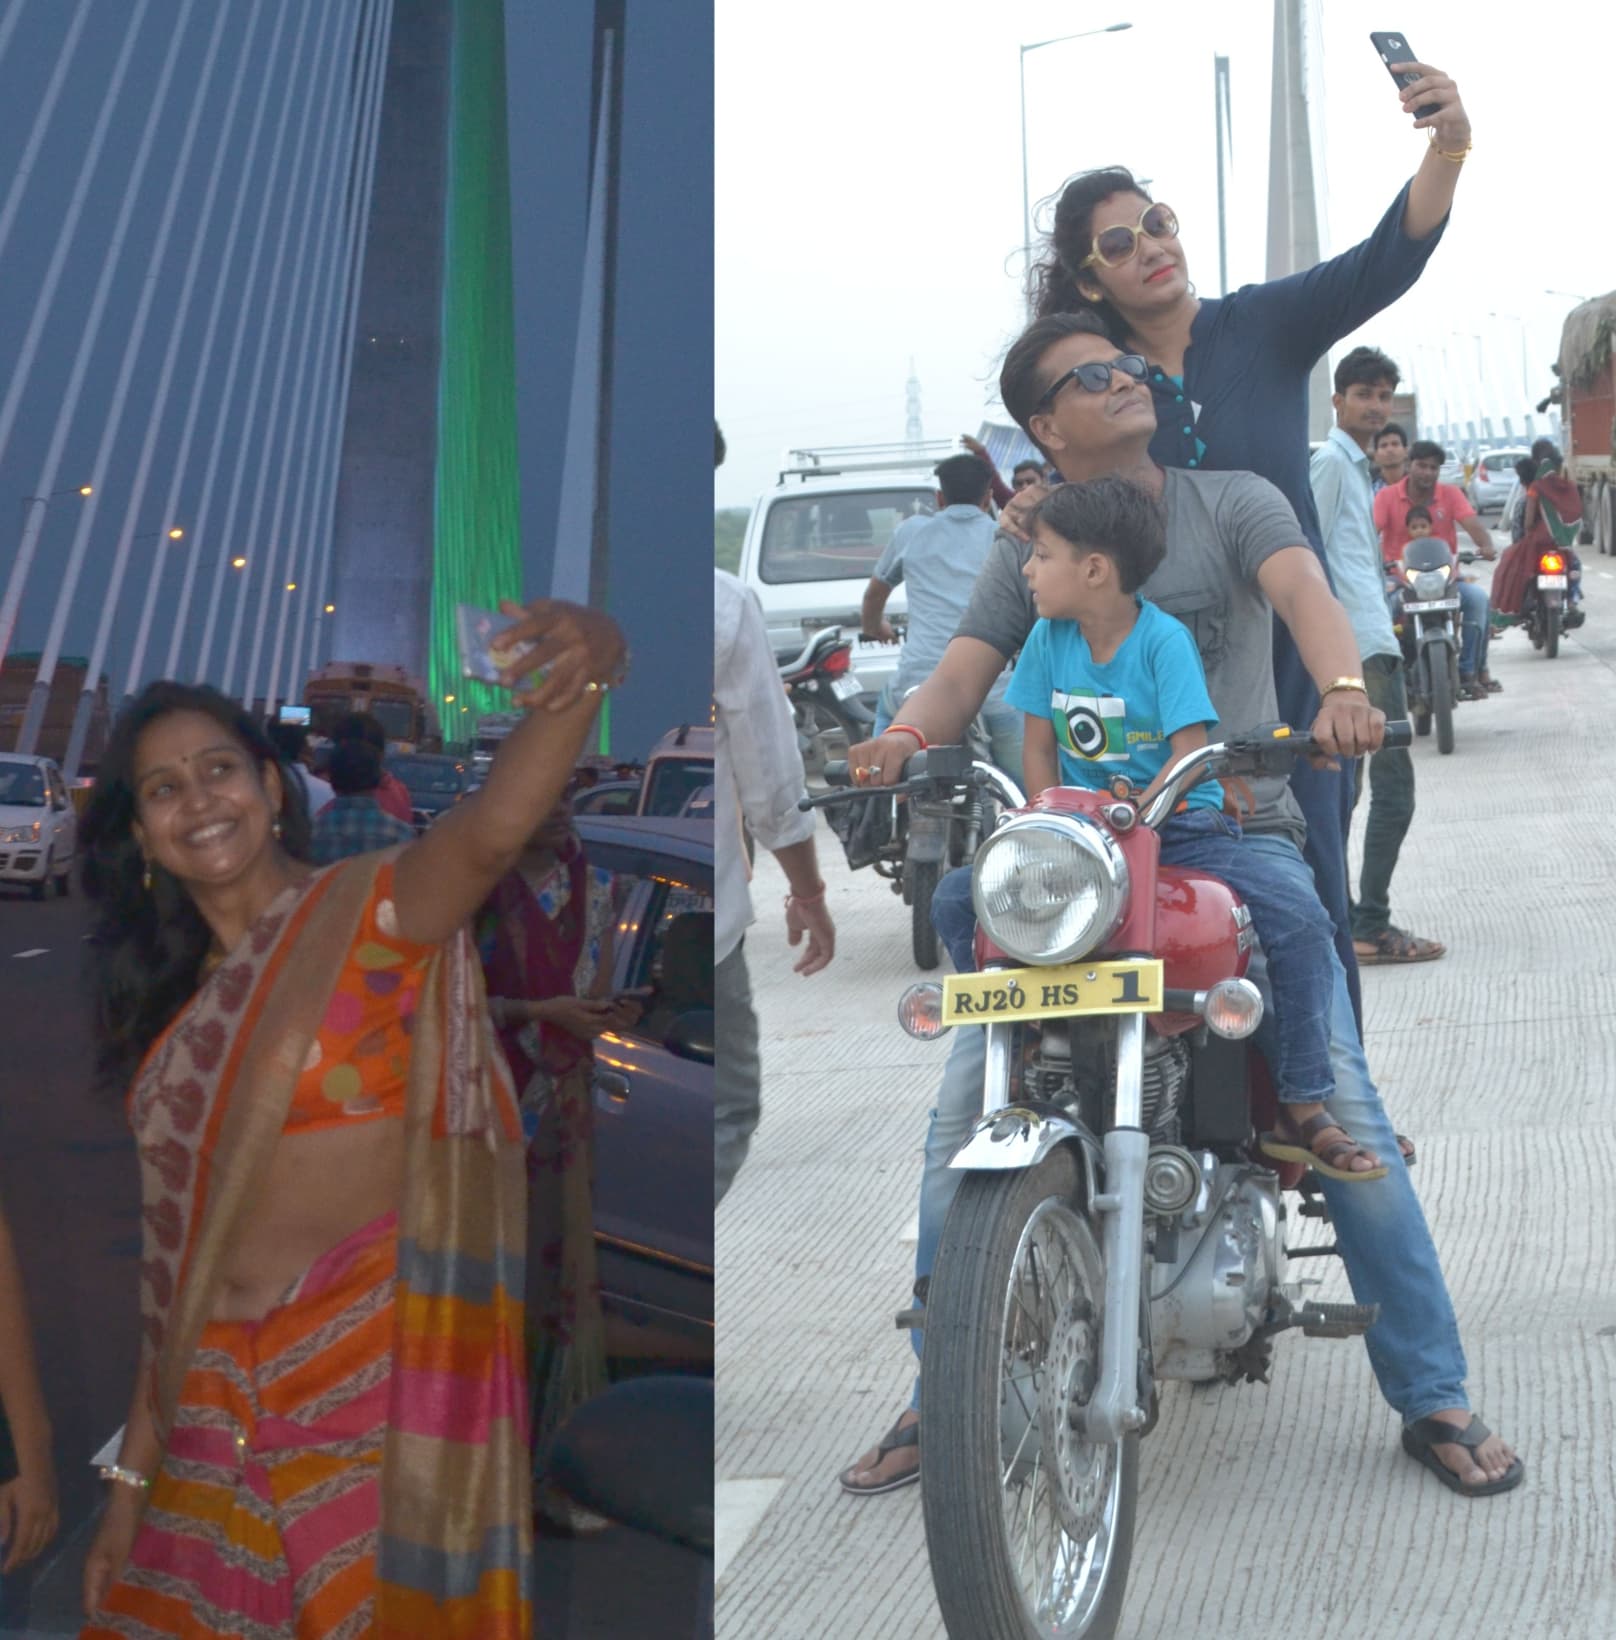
column 435, row 783
column 654, row 1088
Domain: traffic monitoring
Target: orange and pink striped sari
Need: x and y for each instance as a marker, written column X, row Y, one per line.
column 354, row 1463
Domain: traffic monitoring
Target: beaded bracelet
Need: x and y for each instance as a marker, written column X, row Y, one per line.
column 124, row 1477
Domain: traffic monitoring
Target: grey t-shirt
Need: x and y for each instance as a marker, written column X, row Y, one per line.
column 1221, row 529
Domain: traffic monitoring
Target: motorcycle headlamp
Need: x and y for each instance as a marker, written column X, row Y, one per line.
column 1428, row 583
column 1048, row 888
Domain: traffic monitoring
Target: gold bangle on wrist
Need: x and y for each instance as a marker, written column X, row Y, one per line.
column 1457, row 157
column 1343, row 683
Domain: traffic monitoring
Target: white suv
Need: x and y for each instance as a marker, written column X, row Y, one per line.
column 38, row 826
column 813, row 541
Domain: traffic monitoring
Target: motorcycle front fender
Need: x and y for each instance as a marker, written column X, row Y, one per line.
column 928, row 837
column 1019, row 1137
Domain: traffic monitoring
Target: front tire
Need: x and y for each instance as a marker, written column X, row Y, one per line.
column 923, row 878
column 1029, row 1528
column 1442, row 701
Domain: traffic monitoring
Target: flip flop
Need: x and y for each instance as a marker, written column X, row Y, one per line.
column 1393, row 945
column 1299, row 1148
column 900, row 1435
column 1424, row 1433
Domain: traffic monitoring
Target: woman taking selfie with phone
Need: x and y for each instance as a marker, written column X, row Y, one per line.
column 1229, row 375
column 328, row 1432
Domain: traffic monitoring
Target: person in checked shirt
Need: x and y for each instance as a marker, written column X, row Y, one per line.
column 355, row 823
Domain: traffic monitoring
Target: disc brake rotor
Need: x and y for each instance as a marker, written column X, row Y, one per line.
column 1078, row 1470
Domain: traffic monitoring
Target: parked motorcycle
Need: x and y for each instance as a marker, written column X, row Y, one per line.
column 913, row 832
column 1115, row 1226
column 824, row 691
column 1424, row 602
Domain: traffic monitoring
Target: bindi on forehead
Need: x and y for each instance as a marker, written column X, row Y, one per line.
column 184, row 759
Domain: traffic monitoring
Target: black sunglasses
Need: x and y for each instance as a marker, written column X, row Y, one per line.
column 1096, row 377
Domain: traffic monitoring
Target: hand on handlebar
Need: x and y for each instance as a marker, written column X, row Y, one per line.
column 880, row 762
column 1347, row 725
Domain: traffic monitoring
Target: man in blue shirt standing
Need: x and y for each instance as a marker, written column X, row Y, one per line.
column 940, row 557
column 1343, row 489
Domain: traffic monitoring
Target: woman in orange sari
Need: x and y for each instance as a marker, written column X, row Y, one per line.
column 328, row 1431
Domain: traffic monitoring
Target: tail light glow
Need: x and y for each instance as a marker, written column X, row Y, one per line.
column 1551, row 563
column 837, row 661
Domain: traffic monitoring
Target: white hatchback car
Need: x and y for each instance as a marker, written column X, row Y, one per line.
column 38, row 825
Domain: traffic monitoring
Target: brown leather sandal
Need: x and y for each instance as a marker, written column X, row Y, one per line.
column 1287, row 1144
column 1393, row 945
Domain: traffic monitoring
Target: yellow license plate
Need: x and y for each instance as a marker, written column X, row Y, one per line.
column 1046, row 993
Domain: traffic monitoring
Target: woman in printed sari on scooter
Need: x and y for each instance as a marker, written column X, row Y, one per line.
column 328, row 1433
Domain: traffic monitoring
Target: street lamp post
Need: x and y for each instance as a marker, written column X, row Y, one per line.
column 1026, row 195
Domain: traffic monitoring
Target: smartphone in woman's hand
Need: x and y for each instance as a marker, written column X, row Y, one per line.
column 1394, row 48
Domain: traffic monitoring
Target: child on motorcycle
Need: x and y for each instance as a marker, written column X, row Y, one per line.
column 1112, row 686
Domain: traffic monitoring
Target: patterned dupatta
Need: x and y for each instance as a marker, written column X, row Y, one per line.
column 455, row 1547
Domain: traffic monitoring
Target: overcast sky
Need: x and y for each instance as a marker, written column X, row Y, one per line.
column 869, row 203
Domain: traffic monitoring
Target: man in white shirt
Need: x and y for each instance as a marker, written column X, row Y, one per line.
column 758, row 779
column 1343, row 488
column 292, row 742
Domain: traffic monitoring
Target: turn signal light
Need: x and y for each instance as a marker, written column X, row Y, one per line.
column 920, row 1011
column 1233, row 1008
column 1551, row 563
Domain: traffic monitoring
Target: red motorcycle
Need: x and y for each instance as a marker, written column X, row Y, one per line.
column 1116, row 1225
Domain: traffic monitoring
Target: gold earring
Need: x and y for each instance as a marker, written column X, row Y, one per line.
column 145, row 877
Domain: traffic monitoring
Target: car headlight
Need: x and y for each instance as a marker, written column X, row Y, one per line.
column 1048, row 888
column 21, row 834
column 1430, row 583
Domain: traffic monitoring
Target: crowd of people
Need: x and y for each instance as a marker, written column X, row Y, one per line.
column 355, row 1060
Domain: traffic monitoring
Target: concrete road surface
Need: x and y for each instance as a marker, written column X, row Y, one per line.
column 1264, row 1513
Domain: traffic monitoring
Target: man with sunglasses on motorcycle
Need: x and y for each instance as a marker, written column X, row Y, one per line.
column 1235, row 555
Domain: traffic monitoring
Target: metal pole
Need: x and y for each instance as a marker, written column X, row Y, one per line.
column 325, row 436
column 1026, row 192
column 356, row 281
column 33, row 716
column 47, row 107
column 165, row 381
column 152, row 411
column 222, row 284
column 300, row 320
column 324, row 302
column 8, row 25
column 18, row 374
column 245, row 310
column 1220, row 97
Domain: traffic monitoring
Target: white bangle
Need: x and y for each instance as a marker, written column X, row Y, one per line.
column 124, row 1477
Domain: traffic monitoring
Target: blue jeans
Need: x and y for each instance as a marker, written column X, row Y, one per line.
column 1474, row 628
column 1414, row 1347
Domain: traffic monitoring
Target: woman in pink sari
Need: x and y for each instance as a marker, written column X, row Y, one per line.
column 328, row 1434
column 1553, row 515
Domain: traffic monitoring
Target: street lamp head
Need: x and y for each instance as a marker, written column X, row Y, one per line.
column 291, row 586
column 1116, row 28
column 238, row 563
column 86, row 489
column 330, row 609
column 176, row 534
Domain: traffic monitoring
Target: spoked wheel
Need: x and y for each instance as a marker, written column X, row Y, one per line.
column 1029, row 1526
column 1442, row 700
column 1551, row 631
column 921, row 885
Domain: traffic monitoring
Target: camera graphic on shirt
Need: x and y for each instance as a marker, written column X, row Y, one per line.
column 1092, row 726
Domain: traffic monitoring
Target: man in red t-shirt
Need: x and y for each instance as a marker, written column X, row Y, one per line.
column 1450, row 511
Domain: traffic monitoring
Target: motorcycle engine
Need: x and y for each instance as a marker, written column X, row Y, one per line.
column 1079, row 1069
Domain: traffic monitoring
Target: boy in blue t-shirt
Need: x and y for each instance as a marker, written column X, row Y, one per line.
column 1112, row 685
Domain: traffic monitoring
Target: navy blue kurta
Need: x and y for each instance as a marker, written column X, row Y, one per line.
column 1242, row 406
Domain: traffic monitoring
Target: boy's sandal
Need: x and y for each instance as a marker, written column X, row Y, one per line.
column 895, row 1439
column 1423, row 1434
column 1393, row 945
column 1287, row 1144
